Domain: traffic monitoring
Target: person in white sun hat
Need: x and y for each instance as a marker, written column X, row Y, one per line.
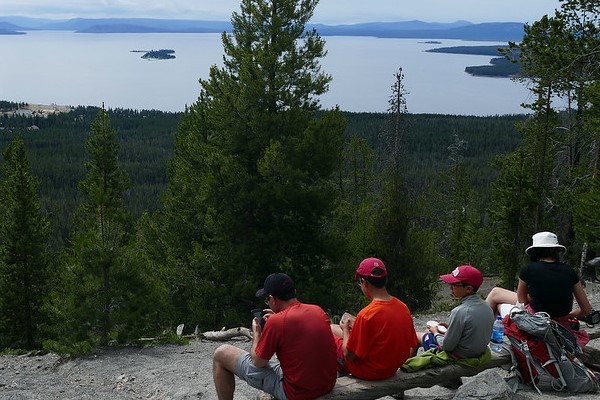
column 545, row 284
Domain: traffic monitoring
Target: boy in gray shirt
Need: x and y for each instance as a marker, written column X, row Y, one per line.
column 470, row 325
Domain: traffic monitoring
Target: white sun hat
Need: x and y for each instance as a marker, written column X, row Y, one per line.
column 545, row 239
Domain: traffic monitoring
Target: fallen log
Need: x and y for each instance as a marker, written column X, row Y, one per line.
column 227, row 334
column 348, row 387
column 222, row 335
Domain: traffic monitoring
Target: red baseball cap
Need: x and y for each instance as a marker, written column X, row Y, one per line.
column 366, row 267
column 464, row 274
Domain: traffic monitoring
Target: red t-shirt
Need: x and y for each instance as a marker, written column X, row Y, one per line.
column 381, row 337
column 301, row 337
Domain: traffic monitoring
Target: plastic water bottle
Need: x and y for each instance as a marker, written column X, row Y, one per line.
column 497, row 335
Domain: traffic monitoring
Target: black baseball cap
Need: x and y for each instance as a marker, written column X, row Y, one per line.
column 279, row 285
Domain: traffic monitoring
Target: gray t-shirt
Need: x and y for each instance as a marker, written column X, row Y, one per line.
column 469, row 328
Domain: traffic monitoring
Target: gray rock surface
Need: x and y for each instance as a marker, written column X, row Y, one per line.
column 489, row 385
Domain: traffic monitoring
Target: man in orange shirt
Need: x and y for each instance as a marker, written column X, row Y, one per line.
column 382, row 336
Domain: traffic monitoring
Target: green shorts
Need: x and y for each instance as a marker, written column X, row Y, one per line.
column 269, row 379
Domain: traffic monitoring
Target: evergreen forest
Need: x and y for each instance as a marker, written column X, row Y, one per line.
column 120, row 224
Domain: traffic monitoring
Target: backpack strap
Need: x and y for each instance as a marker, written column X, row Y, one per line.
column 553, row 360
column 524, row 348
column 515, row 381
column 557, row 384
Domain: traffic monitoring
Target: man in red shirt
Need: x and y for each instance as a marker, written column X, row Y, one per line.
column 382, row 336
column 299, row 334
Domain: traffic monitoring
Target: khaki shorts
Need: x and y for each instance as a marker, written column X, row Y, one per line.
column 269, row 379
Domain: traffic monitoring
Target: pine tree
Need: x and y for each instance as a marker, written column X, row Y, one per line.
column 462, row 220
column 394, row 210
column 264, row 160
column 512, row 212
column 94, row 262
column 397, row 240
column 354, row 216
column 24, row 253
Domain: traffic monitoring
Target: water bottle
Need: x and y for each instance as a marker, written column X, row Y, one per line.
column 497, row 335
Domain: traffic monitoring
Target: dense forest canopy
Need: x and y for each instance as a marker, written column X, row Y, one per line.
column 122, row 223
column 57, row 151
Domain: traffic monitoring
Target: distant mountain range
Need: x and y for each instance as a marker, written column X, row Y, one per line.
column 464, row 30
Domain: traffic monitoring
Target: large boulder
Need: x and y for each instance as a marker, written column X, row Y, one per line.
column 488, row 385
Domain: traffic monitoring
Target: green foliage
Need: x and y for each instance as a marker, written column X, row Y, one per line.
column 546, row 183
column 13, row 352
column 257, row 187
column 72, row 350
column 586, row 214
column 95, row 274
column 417, row 266
column 168, row 276
column 586, row 205
column 57, row 154
column 511, row 214
column 384, row 210
column 24, row 253
column 456, row 218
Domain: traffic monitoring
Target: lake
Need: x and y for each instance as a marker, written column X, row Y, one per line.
column 68, row 68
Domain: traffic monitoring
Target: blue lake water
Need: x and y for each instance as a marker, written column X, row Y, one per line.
column 68, row 68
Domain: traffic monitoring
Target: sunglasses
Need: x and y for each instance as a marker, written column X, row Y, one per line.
column 458, row 284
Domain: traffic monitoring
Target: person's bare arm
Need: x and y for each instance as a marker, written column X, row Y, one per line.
column 522, row 296
column 348, row 355
column 582, row 300
column 256, row 332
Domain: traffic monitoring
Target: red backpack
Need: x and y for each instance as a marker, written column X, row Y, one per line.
column 545, row 354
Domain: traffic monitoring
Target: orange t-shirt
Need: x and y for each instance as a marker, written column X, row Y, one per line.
column 381, row 337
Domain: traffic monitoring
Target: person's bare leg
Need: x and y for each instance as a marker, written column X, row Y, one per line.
column 499, row 296
column 224, row 362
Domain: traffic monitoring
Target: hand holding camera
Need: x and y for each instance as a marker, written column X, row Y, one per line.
column 257, row 313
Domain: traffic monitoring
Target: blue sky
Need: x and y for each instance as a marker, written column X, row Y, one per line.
column 327, row 11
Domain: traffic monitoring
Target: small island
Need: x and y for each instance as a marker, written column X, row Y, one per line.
column 162, row 54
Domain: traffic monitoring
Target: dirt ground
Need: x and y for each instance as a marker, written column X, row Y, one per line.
column 157, row 372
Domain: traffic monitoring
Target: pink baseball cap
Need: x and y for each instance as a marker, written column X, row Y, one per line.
column 464, row 274
column 366, row 267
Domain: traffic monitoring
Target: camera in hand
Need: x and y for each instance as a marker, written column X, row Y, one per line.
column 592, row 318
column 257, row 312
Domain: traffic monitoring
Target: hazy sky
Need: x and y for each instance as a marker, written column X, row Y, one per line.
column 328, row 11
